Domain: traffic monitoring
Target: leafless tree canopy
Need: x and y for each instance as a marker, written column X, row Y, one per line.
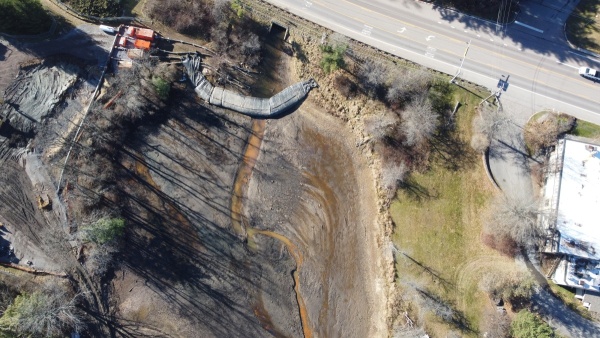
column 508, row 286
column 392, row 174
column 382, row 125
column 406, row 84
column 419, row 121
column 543, row 132
column 46, row 313
column 192, row 17
column 495, row 324
column 409, row 332
column 372, row 77
column 489, row 122
column 515, row 218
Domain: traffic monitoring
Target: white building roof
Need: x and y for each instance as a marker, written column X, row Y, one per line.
column 578, row 216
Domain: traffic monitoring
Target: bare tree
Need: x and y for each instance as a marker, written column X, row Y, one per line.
column 392, row 173
column 486, row 125
column 409, row 332
column 381, row 125
column 337, row 39
column 495, row 324
column 480, row 142
column 407, row 84
column 514, row 217
column 508, row 286
column 251, row 44
column 43, row 313
column 372, row 77
column 543, row 132
column 221, row 10
column 419, row 121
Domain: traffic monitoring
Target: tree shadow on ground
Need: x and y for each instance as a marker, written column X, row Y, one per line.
column 451, row 151
column 482, row 18
column 434, row 274
column 179, row 237
column 447, row 311
column 581, row 29
column 415, row 191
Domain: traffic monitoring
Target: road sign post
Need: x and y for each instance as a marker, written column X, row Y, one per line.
column 461, row 62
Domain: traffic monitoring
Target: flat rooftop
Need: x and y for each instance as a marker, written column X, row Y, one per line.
column 578, row 214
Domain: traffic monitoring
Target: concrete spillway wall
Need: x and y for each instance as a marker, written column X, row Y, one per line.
column 274, row 106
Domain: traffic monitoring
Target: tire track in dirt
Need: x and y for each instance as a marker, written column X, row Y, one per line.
column 474, row 269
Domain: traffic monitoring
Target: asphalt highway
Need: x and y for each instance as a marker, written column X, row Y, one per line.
column 531, row 54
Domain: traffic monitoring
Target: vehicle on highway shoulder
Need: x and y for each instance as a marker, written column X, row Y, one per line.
column 589, row 73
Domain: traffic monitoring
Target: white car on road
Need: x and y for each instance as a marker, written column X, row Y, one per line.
column 589, row 73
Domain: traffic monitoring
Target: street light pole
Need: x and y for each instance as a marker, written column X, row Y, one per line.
column 461, row 63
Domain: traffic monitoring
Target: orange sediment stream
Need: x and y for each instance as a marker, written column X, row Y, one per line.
column 243, row 175
column 242, row 228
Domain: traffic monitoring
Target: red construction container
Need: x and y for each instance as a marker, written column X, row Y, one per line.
column 142, row 44
column 144, row 34
column 130, row 31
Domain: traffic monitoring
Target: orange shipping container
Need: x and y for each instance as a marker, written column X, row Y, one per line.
column 144, row 34
column 141, row 44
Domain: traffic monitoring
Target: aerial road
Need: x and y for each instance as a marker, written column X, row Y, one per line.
column 531, row 55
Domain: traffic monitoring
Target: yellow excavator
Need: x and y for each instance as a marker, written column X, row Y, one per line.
column 44, row 204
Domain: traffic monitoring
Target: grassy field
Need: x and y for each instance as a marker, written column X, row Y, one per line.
column 583, row 28
column 586, row 129
column 438, row 228
column 23, row 17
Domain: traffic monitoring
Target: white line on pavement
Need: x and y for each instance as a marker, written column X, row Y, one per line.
column 566, row 64
column 530, row 27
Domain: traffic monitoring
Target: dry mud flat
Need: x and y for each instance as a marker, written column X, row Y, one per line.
column 312, row 185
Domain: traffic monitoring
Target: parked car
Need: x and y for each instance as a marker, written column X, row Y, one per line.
column 589, row 73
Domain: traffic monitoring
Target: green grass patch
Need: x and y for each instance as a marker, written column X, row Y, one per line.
column 586, row 129
column 23, row 17
column 583, row 28
column 568, row 297
column 437, row 225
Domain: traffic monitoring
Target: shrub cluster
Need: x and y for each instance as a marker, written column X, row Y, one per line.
column 23, row 17
column 99, row 8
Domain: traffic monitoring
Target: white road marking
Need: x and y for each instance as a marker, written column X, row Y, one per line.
column 429, row 38
column 401, row 30
column 566, row 64
column 530, row 27
column 367, row 30
column 585, row 56
column 478, row 35
column 308, row 4
column 430, row 52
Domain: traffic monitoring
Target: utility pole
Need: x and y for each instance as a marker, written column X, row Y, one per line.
column 461, row 62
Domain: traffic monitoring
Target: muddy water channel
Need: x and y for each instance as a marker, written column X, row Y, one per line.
column 303, row 190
